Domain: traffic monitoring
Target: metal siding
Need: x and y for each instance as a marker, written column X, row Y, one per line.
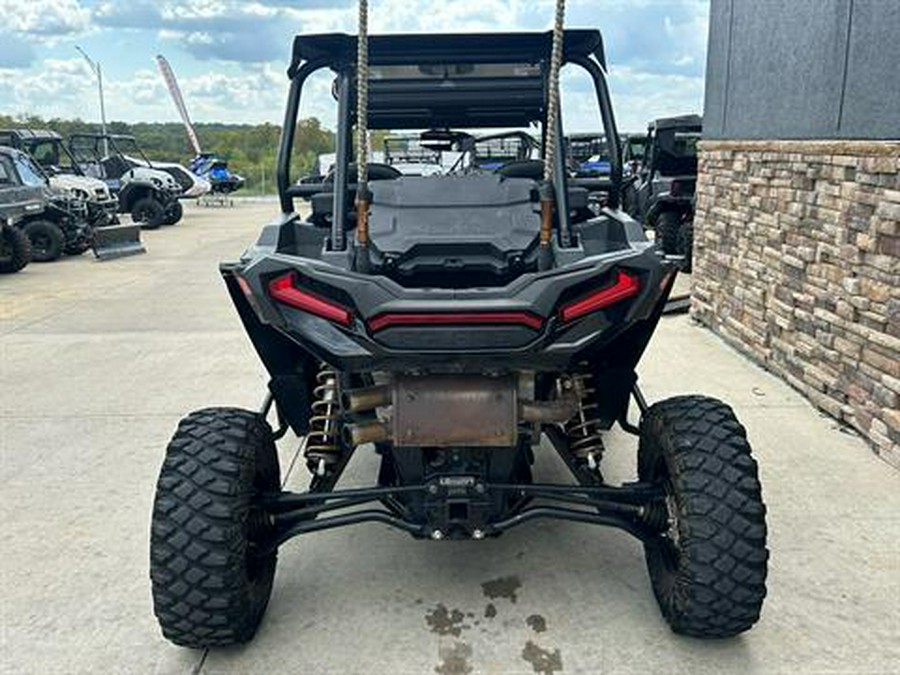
column 803, row 69
column 717, row 67
column 872, row 94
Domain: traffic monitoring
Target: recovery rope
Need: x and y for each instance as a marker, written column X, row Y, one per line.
column 556, row 56
column 363, row 198
column 551, row 136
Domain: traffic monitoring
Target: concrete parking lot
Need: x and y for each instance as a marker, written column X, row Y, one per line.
column 99, row 360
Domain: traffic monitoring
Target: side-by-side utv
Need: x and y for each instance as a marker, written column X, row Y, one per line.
column 111, row 238
column 49, row 150
column 660, row 193
column 455, row 326
column 53, row 220
column 149, row 195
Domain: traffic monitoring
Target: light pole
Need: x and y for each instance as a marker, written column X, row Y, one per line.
column 95, row 68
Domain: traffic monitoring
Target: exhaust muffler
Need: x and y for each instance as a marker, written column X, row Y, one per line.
column 450, row 410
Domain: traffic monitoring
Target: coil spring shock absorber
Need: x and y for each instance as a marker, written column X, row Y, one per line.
column 323, row 440
column 583, row 430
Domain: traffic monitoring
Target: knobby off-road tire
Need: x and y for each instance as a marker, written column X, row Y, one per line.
column 210, row 586
column 709, row 570
column 174, row 213
column 148, row 212
column 15, row 249
column 47, row 240
column 667, row 226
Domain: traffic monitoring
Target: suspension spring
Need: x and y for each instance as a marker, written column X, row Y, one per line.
column 583, row 430
column 323, row 440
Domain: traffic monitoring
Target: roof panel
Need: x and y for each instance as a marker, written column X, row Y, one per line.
column 337, row 49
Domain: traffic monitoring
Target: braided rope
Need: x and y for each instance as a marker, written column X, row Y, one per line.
column 556, row 56
column 362, row 100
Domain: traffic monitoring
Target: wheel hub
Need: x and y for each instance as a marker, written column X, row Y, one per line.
column 672, row 532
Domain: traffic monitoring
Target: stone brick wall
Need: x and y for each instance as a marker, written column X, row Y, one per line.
column 797, row 263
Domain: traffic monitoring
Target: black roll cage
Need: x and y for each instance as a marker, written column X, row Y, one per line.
column 337, row 52
column 653, row 148
column 27, row 139
column 111, row 139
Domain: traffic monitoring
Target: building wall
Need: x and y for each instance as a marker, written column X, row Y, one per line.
column 792, row 69
column 797, row 246
column 797, row 263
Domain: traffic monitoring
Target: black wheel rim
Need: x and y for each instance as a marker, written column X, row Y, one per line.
column 41, row 244
column 664, row 550
column 669, row 545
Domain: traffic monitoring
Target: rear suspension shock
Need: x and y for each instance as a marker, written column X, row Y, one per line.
column 583, row 430
column 323, row 447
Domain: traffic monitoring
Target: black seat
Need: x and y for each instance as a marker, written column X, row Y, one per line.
column 323, row 202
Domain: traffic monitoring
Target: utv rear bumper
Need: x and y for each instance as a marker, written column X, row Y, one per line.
column 540, row 321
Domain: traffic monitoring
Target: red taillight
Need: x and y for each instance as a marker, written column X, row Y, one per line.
column 283, row 289
column 625, row 286
column 456, row 319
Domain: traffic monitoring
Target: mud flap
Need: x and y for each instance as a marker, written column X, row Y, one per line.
column 117, row 241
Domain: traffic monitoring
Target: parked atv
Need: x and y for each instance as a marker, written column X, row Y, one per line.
column 54, row 221
column 149, row 195
column 661, row 194
column 449, row 324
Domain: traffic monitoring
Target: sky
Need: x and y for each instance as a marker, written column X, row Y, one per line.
column 230, row 56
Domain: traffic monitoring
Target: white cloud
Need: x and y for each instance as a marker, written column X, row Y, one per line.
column 214, row 97
column 656, row 51
column 457, row 16
column 641, row 96
column 45, row 17
column 62, row 88
column 225, row 30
